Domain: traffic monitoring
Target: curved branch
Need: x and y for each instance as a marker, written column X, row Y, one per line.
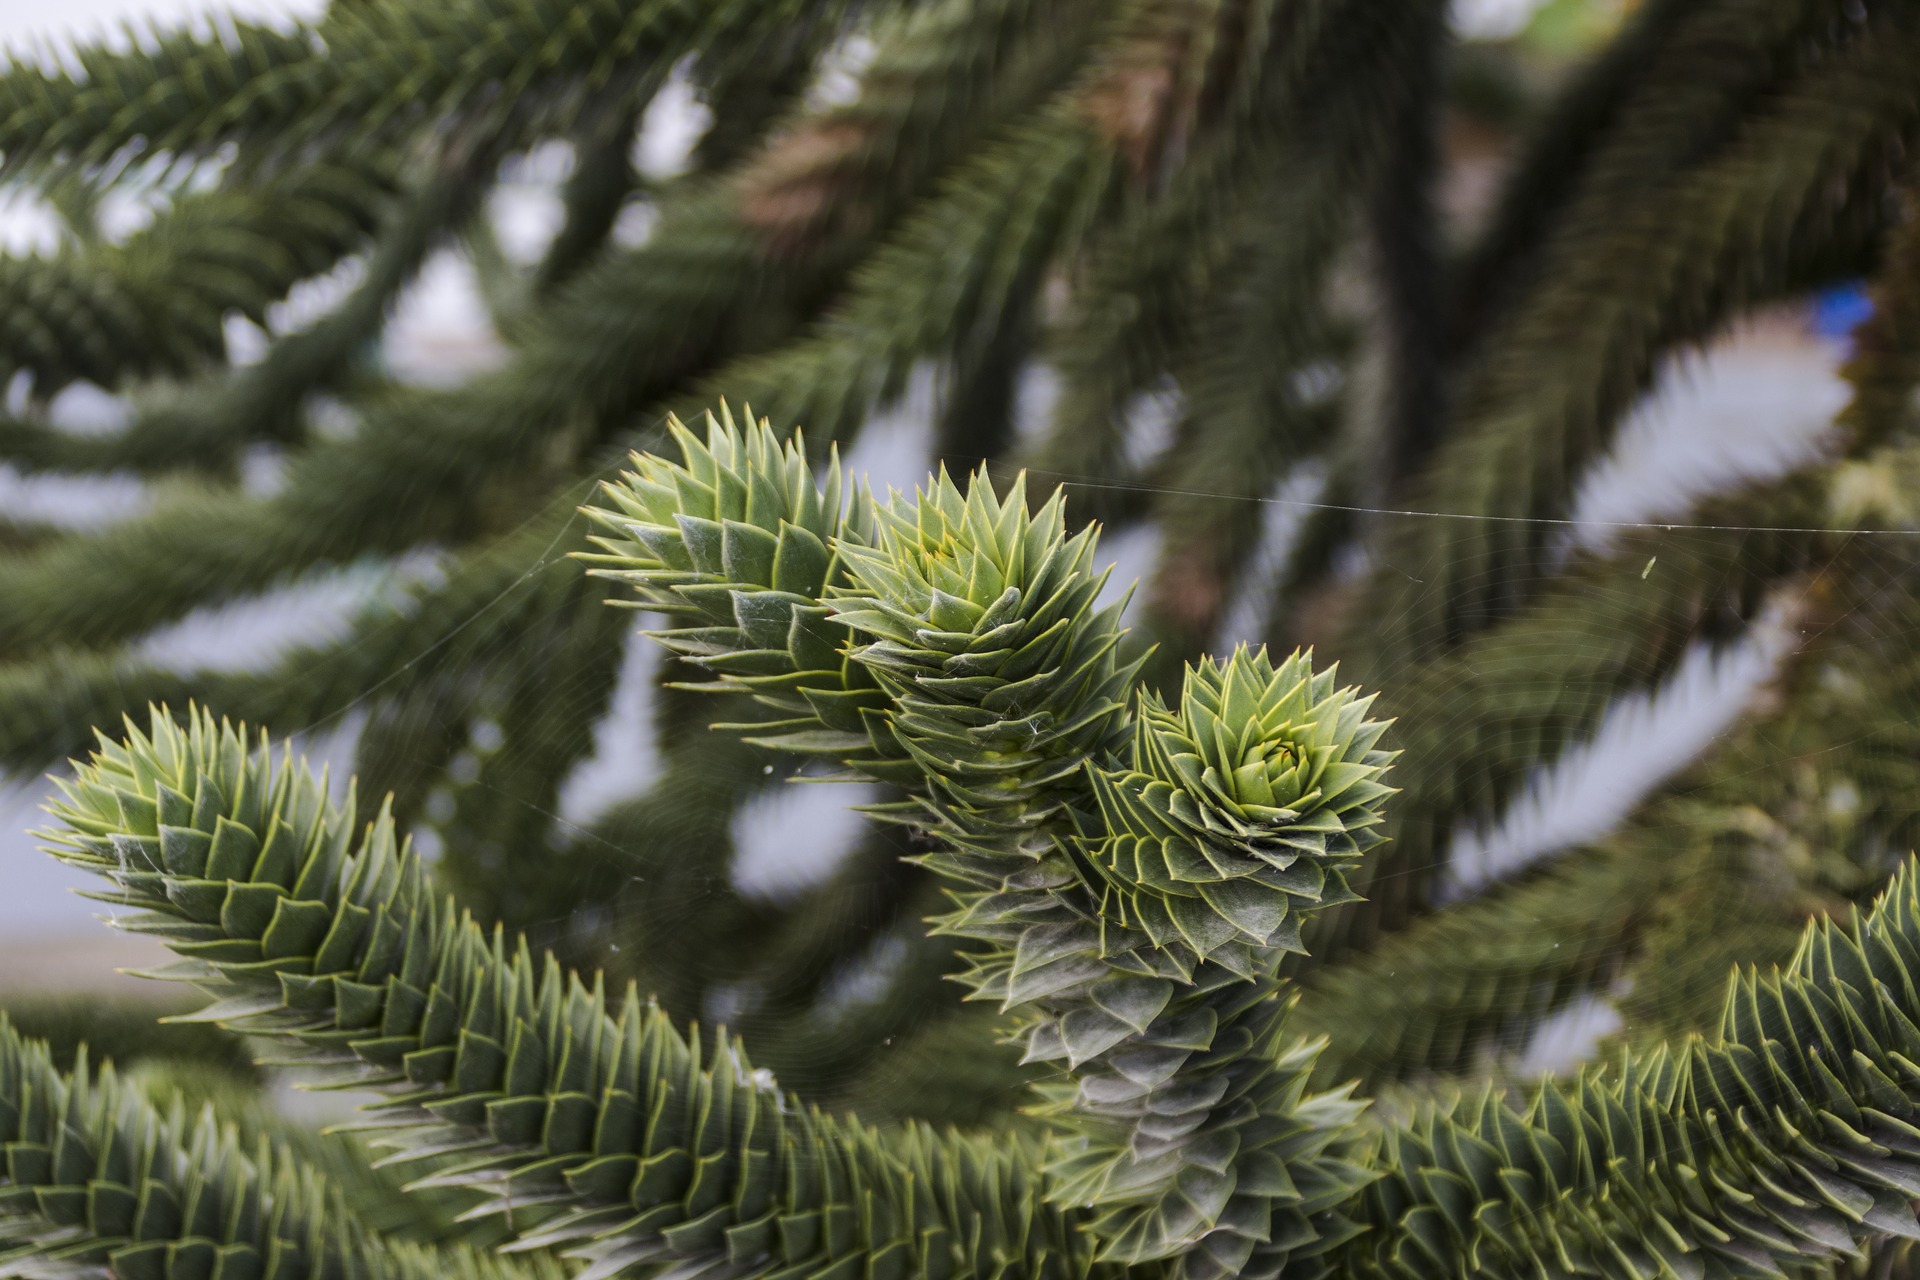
column 1789, row 1137
column 99, row 1183
column 640, row 1150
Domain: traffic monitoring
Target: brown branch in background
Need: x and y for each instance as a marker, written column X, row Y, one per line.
column 1163, row 85
column 797, row 191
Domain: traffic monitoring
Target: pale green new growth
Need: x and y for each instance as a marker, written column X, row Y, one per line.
column 1258, row 792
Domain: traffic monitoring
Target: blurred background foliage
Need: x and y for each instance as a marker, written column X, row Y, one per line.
column 1335, row 312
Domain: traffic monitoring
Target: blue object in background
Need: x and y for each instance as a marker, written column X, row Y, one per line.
column 1836, row 311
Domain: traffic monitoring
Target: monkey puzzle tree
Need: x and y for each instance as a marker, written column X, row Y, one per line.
column 1223, row 207
column 1129, row 880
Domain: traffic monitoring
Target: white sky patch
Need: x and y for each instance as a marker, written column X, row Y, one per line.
column 246, row 341
column 1319, row 382
column 547, row 163
column 1035, row 397
column 28, row 26
column 670, row 128
column 36, row 899
column 634, row 227
column 85, row 409
column 306, row 303
column 1132, row 551
column 790, row 837
column 1151, row 418
column 866, row 979
column 263, row 470
column 125, row 211
column 71, row 502
column 1642, row 740
column 1567, row 1037
column 440, row 334
column 838, row 80
column 1492, row 19
column 526, row 217
column 894, row 449
column 29, row 226
column 1750, row 408
column 626, row 755
column 526, row 208
column 1754, row 406
column 255, row 632
column 316, row 296
column 1250, row 612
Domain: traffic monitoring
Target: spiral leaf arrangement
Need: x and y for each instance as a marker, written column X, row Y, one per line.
column 1232, row 820
column 1129, row 874
column 738, row 545
column 1791, row 1139
column 1237, row 814
column 654, row 1150
column 1184, row 1121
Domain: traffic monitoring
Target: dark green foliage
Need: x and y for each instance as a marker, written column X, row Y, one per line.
column 376, row 1192
column 172, row 90
column 1182, row 1118
column 99, row 1182
column 127, row 1033
column 1265, row 313
column 1237, row 215
column 1801, row 811
column 1474, row 722
column 644, row 1153
column 155, row 305
column 734, row 264
column 1788, row 1137
column 1137, row 947
column 944, row 1066
column 1690, row 251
